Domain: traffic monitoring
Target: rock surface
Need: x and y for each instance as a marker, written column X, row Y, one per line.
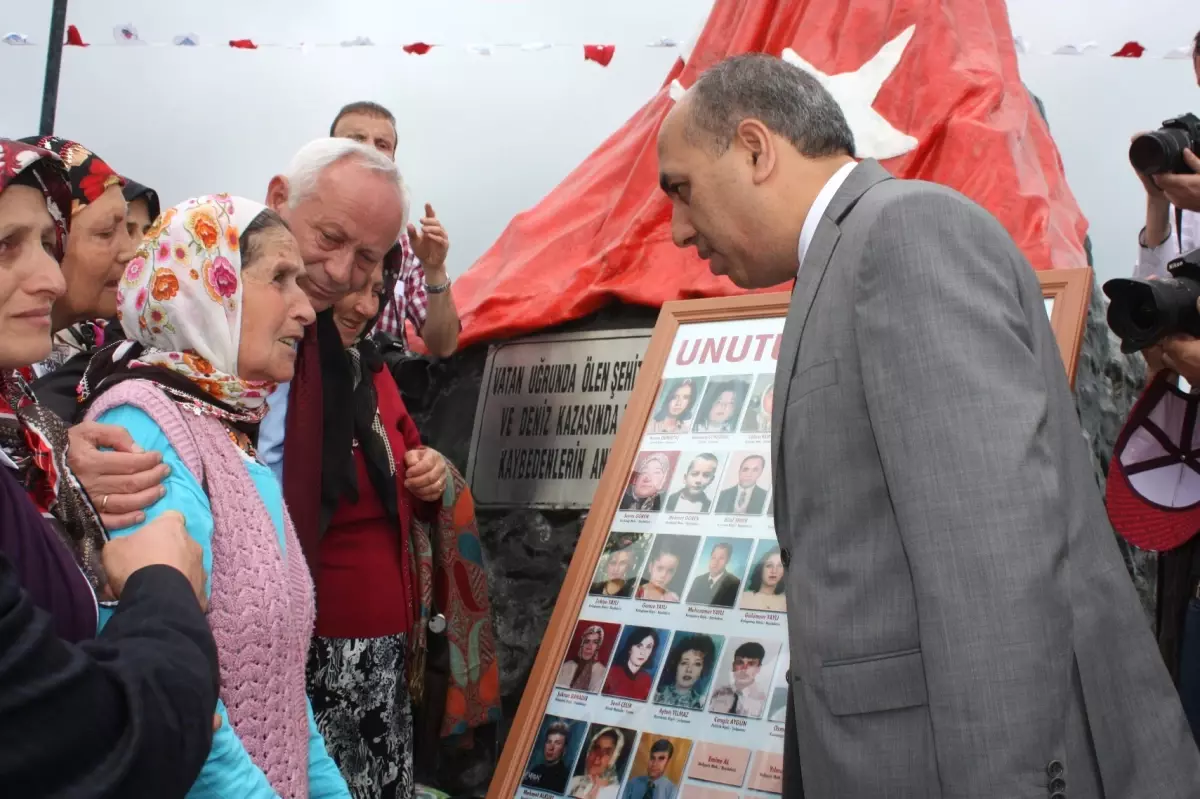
column 528, row 551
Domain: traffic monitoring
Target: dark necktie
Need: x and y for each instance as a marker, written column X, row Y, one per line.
column 649, row 794
column 733, row 707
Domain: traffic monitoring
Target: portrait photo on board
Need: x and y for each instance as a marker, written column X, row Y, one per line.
column 665, row 575
column 646, row 491
column 657, row 768
column 722, row 405
column 639, row 653
column 558, row 743
column 762, row 403
column 719, row 570
column 689, row 669
column 744, row 677
column 602, row 764
column 621, row 561
column 694, row 488
column 766, row 583
column 777, row 710
column 587, row 657
column 676, row 405
column 746, row 485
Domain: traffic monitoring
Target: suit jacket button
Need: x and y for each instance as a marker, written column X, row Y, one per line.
column 786, row 557
column 1057, row 786
column 1058, row 795
column 1054, row 769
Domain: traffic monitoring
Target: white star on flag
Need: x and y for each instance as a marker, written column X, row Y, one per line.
column 855, row 92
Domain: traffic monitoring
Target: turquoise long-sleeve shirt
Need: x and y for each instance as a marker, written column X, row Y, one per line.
column 229, row 772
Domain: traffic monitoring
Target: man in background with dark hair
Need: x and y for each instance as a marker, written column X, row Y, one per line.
column 422, row 294
column 968, row 626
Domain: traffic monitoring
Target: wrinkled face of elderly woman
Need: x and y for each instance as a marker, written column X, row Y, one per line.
column 352, row 312
column 98, row 249
column 30, row 279
column 275, row 309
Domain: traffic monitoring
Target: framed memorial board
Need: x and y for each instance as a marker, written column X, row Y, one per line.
column 1067, row 293
column 666, row 653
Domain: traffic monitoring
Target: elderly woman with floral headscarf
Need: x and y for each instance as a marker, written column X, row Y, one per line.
column 130, row 713
column 96, row 252
column 213, row 313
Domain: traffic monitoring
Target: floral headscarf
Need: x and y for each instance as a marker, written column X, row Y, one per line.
column 181, row 298
column 87, row 173
column 16, row 158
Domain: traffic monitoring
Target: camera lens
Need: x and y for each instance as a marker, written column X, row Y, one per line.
column 1158, row 151
column 1143, row 315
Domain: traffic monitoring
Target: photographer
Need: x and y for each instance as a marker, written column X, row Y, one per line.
column 1172, row 209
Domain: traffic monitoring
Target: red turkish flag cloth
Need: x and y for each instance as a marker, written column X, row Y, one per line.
column 953, row 97
column 602, row 54
column 243, row 44
column 74, row 39
column 1130, row 50
column 417, row 48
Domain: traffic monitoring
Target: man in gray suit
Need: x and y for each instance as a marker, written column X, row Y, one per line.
column 960, row 619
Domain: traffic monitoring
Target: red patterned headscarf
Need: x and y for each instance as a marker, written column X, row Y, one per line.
column 88, row 174
column 32, row 437
column 19, row 159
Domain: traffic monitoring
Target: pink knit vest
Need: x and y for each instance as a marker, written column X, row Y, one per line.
column 261, row 608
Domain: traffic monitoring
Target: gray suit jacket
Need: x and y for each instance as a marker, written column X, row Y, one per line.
column 960, row 618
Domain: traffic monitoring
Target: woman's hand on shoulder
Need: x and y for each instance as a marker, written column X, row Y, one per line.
column 425, row 473
column 121, row 479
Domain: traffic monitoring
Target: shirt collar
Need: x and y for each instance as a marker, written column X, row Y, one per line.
column 824, row 197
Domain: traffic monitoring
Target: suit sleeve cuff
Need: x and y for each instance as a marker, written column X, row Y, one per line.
column 160, row 580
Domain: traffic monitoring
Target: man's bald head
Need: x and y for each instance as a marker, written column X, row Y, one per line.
column 742, row 155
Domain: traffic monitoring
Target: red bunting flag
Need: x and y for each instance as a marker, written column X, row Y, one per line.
column 1130, row 50
column 417, row 48
column 602, row 54
column 243, row 44
column 74, row 39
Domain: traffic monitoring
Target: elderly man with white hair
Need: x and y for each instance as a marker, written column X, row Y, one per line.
column 346, row 203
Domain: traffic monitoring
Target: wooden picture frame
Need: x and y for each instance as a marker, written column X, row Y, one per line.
column 524, row 732
column 1067, row 293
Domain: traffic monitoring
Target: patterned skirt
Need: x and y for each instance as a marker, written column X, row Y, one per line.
column 359, row 693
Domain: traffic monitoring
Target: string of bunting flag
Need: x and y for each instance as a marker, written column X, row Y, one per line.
column 126, row 35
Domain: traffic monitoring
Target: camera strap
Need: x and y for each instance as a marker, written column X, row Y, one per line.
column 1179, row 227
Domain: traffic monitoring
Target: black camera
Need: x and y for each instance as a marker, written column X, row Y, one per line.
column 1144, row 312
column 1162, row 150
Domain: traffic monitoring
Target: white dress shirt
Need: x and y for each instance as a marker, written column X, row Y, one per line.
column 1152, row 261
column 272, row 428
column 824, row 197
